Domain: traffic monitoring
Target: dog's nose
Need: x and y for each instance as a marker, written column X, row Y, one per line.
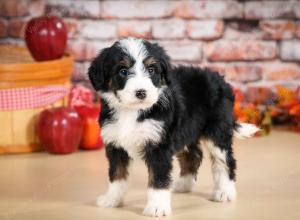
column 140, row 94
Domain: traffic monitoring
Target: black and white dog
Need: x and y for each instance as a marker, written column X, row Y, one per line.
column 153, row 111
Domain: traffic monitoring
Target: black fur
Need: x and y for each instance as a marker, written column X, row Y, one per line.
column 103, row 72
column 163, row 59
column 118, row 162
column 199, row 106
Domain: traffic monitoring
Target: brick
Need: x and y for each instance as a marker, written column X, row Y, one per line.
column 36, row 8
column 205, row 30
column 93, row 48
column 77, row 49
column 216, row 67
column 209, row 9
column 98, row 30
column 272, row 9
column 86, row 50
column 80, row 71
column 240, row 50
column 234, row 34
column 273, row 83
column 169, row 29
column 139, row 29
column 184, row 63
column 242, row 30
column 3, row 28
column 238, row 72
column 243, row 73
column 136, row 9
column 278, row 30
column 290, row 50
column 260, row 95
column 70, row 8
column 16, row 28
column 298, row 29
column 14, row 8
column 73, row 27
column 282, row 72
column 183, row 51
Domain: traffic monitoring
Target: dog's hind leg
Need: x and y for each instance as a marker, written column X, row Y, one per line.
column 118, row 173
column 189, row 161
column 223, row 169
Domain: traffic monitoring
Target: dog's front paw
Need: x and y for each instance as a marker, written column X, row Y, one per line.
column 184, row 184
column 108, row 201
column 156, row 210
column 159, row 203
column 114, row 195
column 225, row 193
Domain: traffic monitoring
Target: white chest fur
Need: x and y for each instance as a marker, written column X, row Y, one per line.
column 126, row 132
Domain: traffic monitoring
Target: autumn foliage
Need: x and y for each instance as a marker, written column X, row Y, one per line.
column 268, row 106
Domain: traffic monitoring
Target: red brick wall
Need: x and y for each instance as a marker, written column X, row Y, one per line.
column 252, row 43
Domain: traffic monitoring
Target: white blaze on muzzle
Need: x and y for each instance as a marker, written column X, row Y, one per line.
column 140, row 79
column 128, row 94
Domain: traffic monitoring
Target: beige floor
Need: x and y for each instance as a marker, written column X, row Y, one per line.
column 42, row 186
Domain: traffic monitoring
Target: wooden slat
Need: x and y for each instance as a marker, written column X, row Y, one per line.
column 15, row 149
column 18, row 70
column 6, row 131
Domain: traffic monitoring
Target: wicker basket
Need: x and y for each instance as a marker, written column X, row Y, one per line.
column 19, row 70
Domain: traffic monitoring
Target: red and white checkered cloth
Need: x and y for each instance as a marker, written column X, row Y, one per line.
column 30, row 97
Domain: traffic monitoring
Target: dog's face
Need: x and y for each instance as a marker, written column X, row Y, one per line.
column 132, row 72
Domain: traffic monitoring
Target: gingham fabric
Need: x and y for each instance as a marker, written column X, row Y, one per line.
column 30, row 97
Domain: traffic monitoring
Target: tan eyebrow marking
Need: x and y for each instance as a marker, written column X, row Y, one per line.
column 149, row 61
column 125, row 62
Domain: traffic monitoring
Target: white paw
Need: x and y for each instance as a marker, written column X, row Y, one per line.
column 156, row 210
column 184, row 184
column 114, row 195
column 108, row 201
column 159, row 203
column 225, row 193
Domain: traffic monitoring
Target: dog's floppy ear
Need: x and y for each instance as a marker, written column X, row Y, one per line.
column 166, row 66
column 98, row 72
column 164, row 61
column 162, row 57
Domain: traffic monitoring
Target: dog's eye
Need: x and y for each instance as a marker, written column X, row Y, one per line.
column 124, row 72
column 151, row 70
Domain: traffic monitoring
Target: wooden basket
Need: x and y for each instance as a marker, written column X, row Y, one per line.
column 18, row 70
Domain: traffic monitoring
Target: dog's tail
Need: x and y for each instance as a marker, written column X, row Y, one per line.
column 245, row 130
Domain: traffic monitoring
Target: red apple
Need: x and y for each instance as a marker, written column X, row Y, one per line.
column 46, row 37
column 60, row 130
column 91, row 137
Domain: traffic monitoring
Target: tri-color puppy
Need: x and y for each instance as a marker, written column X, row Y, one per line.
column 153, row 111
